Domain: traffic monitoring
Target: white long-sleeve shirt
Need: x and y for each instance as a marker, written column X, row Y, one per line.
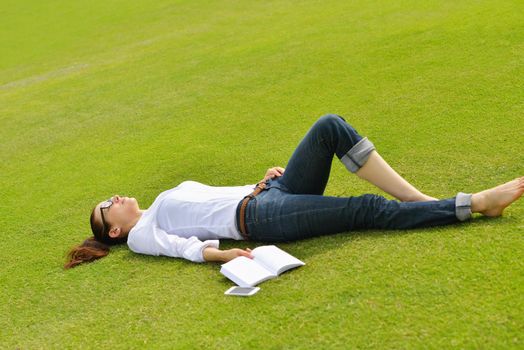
column 184, row 220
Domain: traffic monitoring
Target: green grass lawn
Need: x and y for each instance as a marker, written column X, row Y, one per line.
column 134, row 97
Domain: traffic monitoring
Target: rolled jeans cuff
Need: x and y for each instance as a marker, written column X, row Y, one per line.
column 463, row 206
column 357, row 156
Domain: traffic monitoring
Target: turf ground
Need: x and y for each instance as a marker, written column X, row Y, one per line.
column 105, row 97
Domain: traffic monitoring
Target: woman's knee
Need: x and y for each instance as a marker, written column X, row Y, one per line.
column 330, row 118
column 336, row 125
column 330, row 123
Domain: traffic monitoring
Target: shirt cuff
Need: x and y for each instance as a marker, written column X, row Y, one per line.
column 209, row 243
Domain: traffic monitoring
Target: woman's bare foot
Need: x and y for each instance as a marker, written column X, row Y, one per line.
column 493, row 201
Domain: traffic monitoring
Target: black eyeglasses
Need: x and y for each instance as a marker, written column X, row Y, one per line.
column 106, row 205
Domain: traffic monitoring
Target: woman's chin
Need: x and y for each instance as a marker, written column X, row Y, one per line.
column 135, row 202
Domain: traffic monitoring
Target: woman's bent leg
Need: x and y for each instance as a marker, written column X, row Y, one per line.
column 307, row 171
column 378, row 172
column 275, row 215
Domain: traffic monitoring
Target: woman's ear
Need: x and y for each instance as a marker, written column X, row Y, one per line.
column 114, row 232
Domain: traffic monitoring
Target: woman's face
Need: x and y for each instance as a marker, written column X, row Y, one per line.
column 119, row 215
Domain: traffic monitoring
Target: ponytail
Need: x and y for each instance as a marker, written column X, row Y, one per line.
column 88, row 251
column 93, row 248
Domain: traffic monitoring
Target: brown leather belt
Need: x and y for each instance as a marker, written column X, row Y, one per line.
column 243, row 231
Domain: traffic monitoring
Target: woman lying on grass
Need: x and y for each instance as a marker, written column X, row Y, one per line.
column 187, row 221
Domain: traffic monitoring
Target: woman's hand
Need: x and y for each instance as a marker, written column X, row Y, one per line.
column 273, row 172
column 230, row 254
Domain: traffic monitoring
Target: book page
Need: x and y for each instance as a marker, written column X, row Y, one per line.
column 245, row 272
column 275, row 259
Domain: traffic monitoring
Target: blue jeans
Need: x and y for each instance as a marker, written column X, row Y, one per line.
column 293, row 206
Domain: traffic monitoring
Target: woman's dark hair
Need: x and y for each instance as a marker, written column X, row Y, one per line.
column 93, row 248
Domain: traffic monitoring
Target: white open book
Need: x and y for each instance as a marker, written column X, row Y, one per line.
column 268, row 262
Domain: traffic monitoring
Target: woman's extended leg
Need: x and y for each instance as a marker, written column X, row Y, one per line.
column 308, row 169
column 276, row 215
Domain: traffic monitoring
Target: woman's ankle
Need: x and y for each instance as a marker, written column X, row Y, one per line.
column 478, row 202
